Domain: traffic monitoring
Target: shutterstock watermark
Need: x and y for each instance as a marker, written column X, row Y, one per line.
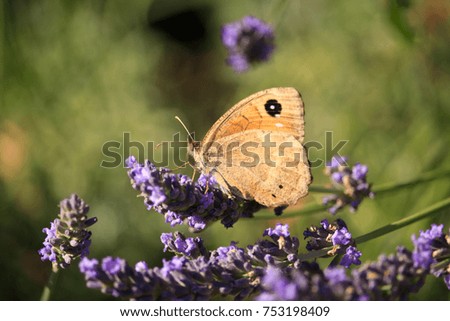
column 248, row 153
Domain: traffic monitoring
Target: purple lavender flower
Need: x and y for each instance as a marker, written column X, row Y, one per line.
column 280, row 249
column 306, row 282
column 335, row 275
column 248, row 41
column 327, row 234
column 336, row 238
column 341, row 236
column 226, row 272
column 423, row 246
column 338, row 161
column 351, row 256
column 270, row 269
column 174, row 265
column 234, row 273
column 281, row 287
column 359, row 172
column 391, row 277
column 351, row 181
column 112, row 265
column 179, row 279
column 279, row 230
column 181, row 200
column 197, row 273
column 181, row 245
column 432, row 252
column 67, row 238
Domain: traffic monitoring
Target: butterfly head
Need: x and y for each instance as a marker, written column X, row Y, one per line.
column 193, row 148
column 194, row 157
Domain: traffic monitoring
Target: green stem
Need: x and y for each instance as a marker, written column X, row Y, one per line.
column 46, row 293
column 442, row 264
column 429, row 211
column 425, row 177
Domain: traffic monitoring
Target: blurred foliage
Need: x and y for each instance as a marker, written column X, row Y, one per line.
column 77, row 74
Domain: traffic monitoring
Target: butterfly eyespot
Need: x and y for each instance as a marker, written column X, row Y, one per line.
column 273, row 107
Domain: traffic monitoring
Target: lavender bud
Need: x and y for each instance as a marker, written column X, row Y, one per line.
column 67, row 238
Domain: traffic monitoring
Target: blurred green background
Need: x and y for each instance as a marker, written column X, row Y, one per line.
column 77, row 74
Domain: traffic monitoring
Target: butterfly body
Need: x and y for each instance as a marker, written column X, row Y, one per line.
column 255, row 150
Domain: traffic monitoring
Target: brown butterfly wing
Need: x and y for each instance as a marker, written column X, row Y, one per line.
column 251, row 113
column 255, row 149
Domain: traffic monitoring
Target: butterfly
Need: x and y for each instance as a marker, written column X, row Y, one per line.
column 255, row 150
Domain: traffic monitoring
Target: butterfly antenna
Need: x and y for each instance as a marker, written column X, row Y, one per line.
column 184, row 126
column 182, row 166
column 192, row 140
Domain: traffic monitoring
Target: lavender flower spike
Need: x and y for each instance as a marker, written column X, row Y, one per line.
column 67, row 238
column 335, row 236
column 248, row 40
column 392, row 277
column 432, row 252
column 182, row 200
column 270, row 269
column 351, row 181
column 195, row 274
column 181, row 245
